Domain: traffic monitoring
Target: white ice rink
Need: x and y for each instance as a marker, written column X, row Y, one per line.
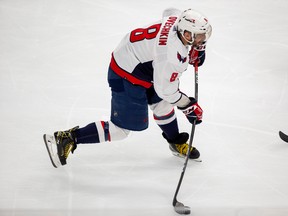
column 54, row 56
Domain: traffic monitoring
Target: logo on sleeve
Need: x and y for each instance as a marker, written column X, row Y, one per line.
column 181, row 58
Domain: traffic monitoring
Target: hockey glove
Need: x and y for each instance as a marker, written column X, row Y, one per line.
column 192, row 111
column 197, row 55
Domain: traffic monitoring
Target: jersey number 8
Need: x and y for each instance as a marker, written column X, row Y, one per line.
column 144, row 33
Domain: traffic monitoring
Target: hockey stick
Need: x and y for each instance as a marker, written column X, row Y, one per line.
column 283, row 136
column 179, row 207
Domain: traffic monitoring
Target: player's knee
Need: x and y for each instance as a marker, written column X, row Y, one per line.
column 118, row 133
column 123, row 133
column 163, row 112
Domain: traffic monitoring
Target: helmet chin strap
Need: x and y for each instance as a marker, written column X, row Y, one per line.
column 190, row 43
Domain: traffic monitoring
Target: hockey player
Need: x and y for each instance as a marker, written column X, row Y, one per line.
column 144, row 70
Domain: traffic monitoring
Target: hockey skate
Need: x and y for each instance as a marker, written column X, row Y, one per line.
column 60, row 145
column 179, row 147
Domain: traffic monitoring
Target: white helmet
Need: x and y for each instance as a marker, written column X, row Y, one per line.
column 194, row 22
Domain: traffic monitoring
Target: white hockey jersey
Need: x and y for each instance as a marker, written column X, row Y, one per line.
column 154, row 55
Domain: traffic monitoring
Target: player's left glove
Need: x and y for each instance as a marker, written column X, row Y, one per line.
column 197, row 55
column 192, row 111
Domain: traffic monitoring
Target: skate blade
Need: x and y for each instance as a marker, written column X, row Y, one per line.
column 51, row 147
column 183, row 156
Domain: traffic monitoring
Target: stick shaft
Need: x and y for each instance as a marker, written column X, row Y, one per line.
column 190, row 141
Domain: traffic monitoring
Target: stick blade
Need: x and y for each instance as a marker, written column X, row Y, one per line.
column 283, row 136
column 181, row 209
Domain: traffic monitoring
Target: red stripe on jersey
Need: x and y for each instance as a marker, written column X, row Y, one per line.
column 125, row 75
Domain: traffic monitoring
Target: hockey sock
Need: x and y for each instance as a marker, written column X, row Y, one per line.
column 88, row 134
column 100, row 131
column 171, row 129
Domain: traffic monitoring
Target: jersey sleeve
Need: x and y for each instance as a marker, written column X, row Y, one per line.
column 170, row 61
column 166, row 82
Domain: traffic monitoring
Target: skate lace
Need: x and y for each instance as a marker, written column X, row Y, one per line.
column 68, row 149
column 183, row 148
column 69, row 146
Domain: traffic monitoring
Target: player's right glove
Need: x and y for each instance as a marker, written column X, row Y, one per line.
column 192, row 111
column 197, row 55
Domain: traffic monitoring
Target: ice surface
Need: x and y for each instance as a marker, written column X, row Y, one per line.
column 54, row 57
